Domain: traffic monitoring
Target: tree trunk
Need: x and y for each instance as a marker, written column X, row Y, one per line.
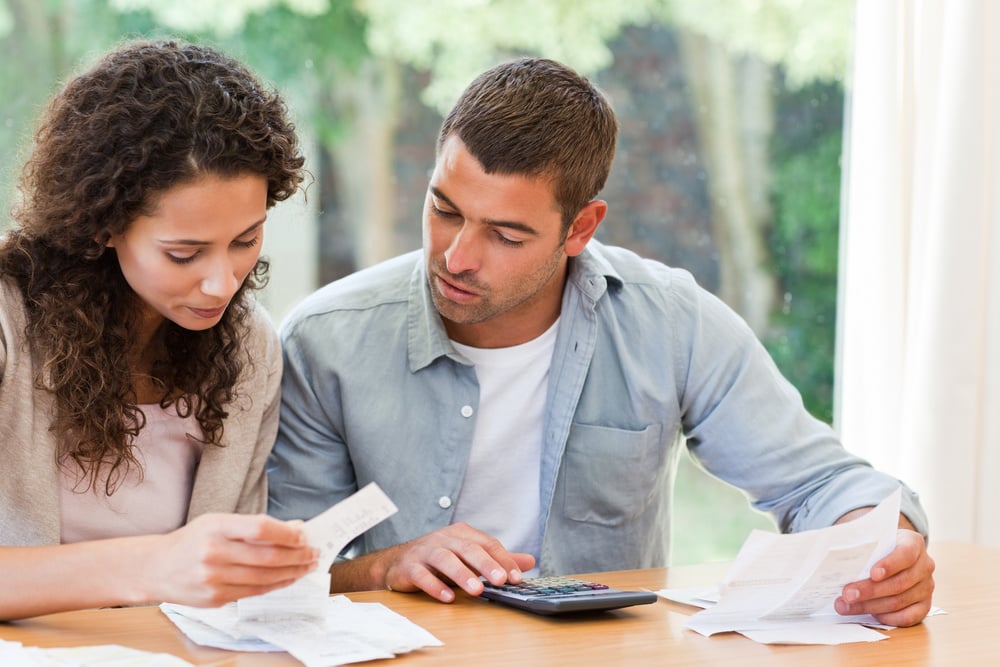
column 363, row 159
column 735, row 116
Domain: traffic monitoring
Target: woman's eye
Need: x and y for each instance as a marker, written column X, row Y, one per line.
column 181, row 259
column 248, row 243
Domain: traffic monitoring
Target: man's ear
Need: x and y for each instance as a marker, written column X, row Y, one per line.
column 584, row 225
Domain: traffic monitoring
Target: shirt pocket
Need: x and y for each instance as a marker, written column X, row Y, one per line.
column 609, row 475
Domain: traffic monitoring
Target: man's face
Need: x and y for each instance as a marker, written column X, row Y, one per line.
column 496, row 260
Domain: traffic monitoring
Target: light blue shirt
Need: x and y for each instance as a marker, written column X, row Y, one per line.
column 645, row 360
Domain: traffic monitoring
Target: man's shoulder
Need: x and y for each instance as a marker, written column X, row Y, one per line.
column 624, row 268
column 388, row 282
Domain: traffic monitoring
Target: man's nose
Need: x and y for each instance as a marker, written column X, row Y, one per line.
column 463, row 253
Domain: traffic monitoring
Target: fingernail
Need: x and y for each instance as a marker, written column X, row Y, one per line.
column 852, row 595
column 447, row 595
column 472, row 584
column 515, row 575
column 878, row 573
column 497, row 575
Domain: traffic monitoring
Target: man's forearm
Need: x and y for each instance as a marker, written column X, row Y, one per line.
column 363, row 573
column 861, row 511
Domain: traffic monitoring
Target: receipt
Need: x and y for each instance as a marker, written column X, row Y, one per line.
column 778, row 582
column 329, row 532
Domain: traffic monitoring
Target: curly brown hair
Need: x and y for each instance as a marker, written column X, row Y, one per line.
column 149, row 116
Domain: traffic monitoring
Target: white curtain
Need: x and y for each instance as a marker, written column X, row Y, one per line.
column 919, row 356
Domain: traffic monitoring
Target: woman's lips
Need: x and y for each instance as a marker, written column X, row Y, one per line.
column 209, row 313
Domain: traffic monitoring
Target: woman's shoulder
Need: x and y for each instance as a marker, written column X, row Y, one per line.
column 259, row 329
column 12, row 314
column 11, row 296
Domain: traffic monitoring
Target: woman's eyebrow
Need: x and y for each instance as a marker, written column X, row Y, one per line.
column 196, row 242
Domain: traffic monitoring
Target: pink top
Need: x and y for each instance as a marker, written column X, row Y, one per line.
column 154, row 502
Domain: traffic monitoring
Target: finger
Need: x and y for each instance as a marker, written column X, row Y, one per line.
column 919, row 594
column 244, row 575
column 463, row 564
column 259, row 554
column 918, row 575
column 262, row 528
column 524, row 561
column 901, row 606
column 214, row 549
column 487, row 556
column 910, row 546
column 249, row 528
column 907, row 616
column 416, row 576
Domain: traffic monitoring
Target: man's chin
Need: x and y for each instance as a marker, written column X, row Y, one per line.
column 456, row 313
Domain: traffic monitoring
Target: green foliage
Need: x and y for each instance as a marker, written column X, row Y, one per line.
column 219, row 18
column 6, row 20
column 804, row 241
column 49, row 40
column 810, row 39
column 313, row 58
column 457, row 39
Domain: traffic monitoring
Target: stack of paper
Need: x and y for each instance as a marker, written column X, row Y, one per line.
column 13, row 654
column 329, row 532
column 349, row 632
column 303, row 619
column 781, row 588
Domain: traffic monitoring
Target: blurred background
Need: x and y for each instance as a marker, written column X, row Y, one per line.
column 728, row 164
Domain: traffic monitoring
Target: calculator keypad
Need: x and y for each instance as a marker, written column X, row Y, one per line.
column 549, row 586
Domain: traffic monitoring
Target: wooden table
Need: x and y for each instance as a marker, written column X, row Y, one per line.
column 479, row 633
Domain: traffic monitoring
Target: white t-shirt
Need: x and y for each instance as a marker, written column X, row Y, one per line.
column 155, row 501
column 500, row 493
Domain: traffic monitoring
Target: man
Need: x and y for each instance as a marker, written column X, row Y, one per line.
column 521, row 391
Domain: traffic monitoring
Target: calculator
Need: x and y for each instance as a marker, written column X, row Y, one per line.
column 559, row 595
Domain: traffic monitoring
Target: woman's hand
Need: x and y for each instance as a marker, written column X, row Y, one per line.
column 218, row 558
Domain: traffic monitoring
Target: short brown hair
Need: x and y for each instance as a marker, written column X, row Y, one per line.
column 536, row 117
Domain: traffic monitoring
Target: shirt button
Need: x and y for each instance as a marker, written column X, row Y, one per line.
column 466, row 410
column 444, row 502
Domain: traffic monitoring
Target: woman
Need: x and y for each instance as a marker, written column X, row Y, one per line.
column 138, row 379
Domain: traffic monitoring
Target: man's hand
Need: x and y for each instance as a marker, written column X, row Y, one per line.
column 898, row 591
column 457, row 554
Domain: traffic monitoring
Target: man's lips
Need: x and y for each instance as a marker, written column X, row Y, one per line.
column 453, row 291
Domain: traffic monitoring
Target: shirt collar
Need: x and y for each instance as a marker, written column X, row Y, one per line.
column 589, row 272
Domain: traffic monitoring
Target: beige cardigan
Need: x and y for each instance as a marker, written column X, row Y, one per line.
column 230, row 478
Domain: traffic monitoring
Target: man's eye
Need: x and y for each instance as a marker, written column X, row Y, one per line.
column 509, row 242
column 444, row 214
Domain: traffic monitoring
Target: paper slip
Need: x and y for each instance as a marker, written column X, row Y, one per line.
column 13, row 654
column 348, row 633
column 781, row 588
column 329, row 532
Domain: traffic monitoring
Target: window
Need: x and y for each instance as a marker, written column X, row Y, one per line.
column 728, row 165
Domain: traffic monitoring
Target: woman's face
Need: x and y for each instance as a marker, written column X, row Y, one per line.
column 187, row 258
